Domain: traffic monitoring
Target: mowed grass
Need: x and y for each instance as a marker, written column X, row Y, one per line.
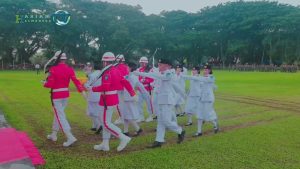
column 259, row 116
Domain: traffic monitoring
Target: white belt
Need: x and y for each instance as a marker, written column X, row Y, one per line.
column 60, row 90
column 110, row 92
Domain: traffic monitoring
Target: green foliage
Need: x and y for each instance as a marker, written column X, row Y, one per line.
column 256, row 32
column 38, row 59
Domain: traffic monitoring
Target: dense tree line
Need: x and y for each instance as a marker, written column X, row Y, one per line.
column 258, row 32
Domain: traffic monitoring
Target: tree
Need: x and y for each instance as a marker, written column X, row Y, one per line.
column 38, row 59
column 256, row 32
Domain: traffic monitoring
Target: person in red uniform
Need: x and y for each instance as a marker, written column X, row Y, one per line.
column 58, row 81
column 123, row 69
column 146, row 81
column 111, row 79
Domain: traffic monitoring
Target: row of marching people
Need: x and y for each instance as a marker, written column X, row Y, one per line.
column 114, row 88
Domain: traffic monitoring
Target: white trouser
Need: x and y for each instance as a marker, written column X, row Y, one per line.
column 121, row 106
column 60, row 120
column 155, row 104
column 144, row 97
column 93, row 111
column 165, row 119
column 178, row 109
column 174, row 117
column 108, row 127
column 134, row 124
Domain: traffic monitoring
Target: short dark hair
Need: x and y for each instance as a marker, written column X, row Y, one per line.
column 97, row 65
column 165, row 61
column 132, row 66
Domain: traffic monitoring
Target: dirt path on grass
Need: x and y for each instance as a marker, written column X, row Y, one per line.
column 86, row 138
column 89, row 139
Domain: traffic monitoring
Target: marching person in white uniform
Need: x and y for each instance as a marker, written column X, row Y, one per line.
column 131, row 113
column 155, row 84
column 166, row 100
column 93, row 99
column 180, row 70
column 88, row 68
column 194, row 96
column 207, row 111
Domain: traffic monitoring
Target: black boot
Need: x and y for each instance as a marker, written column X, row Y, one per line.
column 99, row 130
column 138, row 133
column 197, row 135
column 181, row 137
column 216, row 130
column 155, row 145
column 93, row 129
column 216, row 127
column 127, row 133
column 181, row 115
column 188, row 124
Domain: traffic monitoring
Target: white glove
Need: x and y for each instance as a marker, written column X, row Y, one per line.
column 135, row 98
column 83, row 93
column 56, row 54
column 88, row 88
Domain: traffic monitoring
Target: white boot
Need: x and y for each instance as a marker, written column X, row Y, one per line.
column 104, row 146
column 52, row 136
column 124, row 140
column 149, row 119
column 71, row 139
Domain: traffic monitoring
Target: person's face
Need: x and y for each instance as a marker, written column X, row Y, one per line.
column 105, row 63
column 163, row 67
column 143, row 64
column 178, row 70
column 206, row 72
column 63, row 61
column 194, row 72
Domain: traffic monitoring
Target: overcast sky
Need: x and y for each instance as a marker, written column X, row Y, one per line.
column 156, row 6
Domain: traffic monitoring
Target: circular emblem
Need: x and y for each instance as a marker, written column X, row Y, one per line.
column 61, row 18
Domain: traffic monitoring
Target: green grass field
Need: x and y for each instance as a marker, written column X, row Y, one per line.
column 259, row 116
